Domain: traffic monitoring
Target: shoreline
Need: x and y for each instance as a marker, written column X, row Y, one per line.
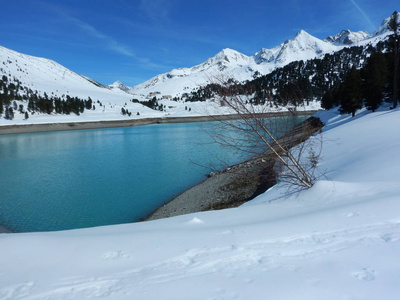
column 227, row 188
column 237, row 184
column 49, row 127
column 4, row 230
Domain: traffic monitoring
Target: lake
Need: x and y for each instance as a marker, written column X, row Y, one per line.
column 84, row 178
column 73, row 179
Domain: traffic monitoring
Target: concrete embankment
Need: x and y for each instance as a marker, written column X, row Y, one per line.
column 45, row 127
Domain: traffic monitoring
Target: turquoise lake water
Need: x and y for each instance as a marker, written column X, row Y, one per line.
column 74, row 179
column 84, row 178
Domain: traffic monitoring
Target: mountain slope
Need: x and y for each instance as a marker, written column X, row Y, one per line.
column 347, row 37
column 232, row 64
column 45, row 75
column 338, row 240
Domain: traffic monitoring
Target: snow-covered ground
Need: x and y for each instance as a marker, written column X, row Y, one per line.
column 111, row 112
column 47, row 76
column 338, row 240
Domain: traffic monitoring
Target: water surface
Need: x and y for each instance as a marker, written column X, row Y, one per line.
column 74, row 179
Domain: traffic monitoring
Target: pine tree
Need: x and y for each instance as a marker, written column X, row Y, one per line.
column 394, row 25
column 328, row 101
column 375, row 77
column 350, row 98
column 6, row 113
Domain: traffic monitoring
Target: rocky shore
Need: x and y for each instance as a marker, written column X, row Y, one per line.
column 237, row 184
column 4, row 230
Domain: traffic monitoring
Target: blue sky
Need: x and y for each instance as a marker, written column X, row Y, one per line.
column 132, row 41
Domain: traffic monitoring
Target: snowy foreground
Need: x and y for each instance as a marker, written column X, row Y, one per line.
column 338, row 240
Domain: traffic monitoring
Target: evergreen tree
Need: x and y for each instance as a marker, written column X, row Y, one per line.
column 394, row 25
column 26, row 115
column 6, row 113
column 375, row 77
column 9, row 113
column 328, row 101
column 350, row 98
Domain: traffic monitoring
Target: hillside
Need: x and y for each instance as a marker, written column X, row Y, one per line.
column 233, row 64
column 38, row 90
column 338, row 240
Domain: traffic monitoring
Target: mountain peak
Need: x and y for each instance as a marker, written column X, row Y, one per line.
column 347, row 37
column 119, row 85
column 227, row 54
column 302, row 33
column 384, row 28
column 303, row 37
column 303, row 46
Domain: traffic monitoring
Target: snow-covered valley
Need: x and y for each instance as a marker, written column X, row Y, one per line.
column 50, row 79
column 338, row 240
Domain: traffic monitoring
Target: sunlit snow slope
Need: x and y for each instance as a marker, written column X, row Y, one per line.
column 338, row 240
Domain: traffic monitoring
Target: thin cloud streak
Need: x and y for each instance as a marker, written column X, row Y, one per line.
column 364, row 14
column 155, row 9
column 110, row 42
column 116, row 46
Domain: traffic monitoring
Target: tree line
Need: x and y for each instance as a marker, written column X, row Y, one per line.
column 12, row 89
column 371, row 85
column 353, row 77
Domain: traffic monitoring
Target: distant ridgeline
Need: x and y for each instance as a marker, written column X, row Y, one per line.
column 11, row 89
column 351, row 78
column 315, row 79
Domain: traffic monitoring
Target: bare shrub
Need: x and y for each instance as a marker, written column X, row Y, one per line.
column 255, row 131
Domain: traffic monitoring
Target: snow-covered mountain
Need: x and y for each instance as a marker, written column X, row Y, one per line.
column 303, row 47
column 384, row 28
column 42, row 75
column 232, row 64
column 45, row 75
column 347, row 37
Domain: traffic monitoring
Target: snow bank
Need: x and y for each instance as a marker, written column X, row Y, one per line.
column 338, row 240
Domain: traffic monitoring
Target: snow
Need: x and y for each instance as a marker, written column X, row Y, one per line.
column 347, row 37
column 233, row 64
column 47, row 76
column 338, row 240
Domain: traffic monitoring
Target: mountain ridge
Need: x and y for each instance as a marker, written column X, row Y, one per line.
column 46, row 75
column 241, row 67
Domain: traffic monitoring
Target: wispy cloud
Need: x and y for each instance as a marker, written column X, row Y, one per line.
column 364, row 14
column 156, row 10
column 118, row 47
column 111, row 43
